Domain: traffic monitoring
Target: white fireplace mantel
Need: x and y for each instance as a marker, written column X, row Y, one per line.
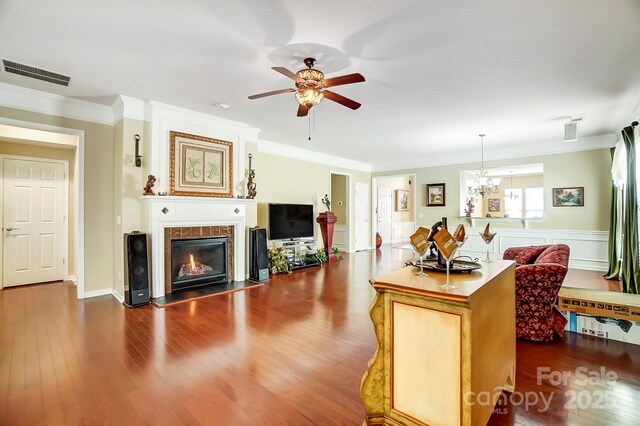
column 164, row 212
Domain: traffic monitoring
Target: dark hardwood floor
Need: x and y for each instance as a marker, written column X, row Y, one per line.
column 289, row 353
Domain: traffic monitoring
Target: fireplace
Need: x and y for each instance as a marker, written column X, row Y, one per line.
column 211, row 247
column 199, row 261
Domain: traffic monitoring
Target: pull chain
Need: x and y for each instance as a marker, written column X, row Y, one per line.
column 309, row 116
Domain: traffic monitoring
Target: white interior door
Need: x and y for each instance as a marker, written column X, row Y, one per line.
column 361, row 209
column 34, row 222
column 385, row 211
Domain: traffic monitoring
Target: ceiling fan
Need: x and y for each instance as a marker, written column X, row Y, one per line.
column 312, row 87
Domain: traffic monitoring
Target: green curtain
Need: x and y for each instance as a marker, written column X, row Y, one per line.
column 614, row 259
column 630, row 272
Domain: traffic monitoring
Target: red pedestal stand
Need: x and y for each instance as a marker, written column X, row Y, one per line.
column 326, row 221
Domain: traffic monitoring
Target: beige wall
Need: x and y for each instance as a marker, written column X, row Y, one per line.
column 129, row 182
column 590, row 169
column 338, row 198
column 69, row 155
column 285, row 180
column 98, row 193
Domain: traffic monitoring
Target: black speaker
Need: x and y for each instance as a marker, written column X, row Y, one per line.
column 137, row 269
column 258, row 259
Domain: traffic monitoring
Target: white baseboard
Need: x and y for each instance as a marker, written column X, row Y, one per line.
column 97, row 293
column 73, row 279
column 117, row 295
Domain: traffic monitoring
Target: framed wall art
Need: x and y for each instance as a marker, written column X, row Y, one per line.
column 568, row 197
column 493, row 204
column 402, row 200
column 200, row 166
column 435, row 194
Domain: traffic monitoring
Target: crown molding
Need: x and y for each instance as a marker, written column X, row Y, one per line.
column 159, row 109
column 128, row 107
column 451, row 158
column 288, row 151
column 17, row 97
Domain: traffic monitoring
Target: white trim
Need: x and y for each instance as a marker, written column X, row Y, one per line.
column 301, row 154
column 12, row 96
column 127, row 107
column 117, row 295
column 73, row 279
column 98, row 293
column 465, row 156
column 65, row 204
column 79, row 187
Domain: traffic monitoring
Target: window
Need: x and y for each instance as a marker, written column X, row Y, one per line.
column 513, row 202
column 532, row 204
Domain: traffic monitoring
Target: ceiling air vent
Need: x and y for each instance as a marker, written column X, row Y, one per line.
column 36, row 73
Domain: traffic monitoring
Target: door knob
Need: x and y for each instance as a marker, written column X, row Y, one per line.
column 10, row 229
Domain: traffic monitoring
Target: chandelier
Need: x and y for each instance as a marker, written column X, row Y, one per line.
column 483, row 184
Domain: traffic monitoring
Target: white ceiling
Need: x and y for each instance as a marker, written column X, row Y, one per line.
column 438, row 72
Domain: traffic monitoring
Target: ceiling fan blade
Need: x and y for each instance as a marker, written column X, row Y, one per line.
column 341, row 100
column 288, row 73
column 302, row 110
column 343, row 79
column 275, row 92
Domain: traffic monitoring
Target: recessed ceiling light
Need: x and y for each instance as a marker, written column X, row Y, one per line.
column 223, row 106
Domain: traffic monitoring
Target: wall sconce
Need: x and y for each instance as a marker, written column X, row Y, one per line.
column 251, row 185
column 138, row 156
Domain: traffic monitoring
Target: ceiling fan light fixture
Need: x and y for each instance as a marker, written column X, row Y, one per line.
column 311, row 74
column 309, row 96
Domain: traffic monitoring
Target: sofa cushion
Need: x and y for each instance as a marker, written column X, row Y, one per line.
column 528, row 254
column 557, row 253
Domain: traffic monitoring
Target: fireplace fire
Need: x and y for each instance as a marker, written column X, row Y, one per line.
column 193, row 268
column 197, row 262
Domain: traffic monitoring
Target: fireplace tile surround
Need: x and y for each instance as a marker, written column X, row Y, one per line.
column 195, row 232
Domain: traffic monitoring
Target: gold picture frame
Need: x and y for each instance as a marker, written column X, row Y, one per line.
column 200, row 166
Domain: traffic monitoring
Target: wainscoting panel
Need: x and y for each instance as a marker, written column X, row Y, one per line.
column 340, row 237
column 401, row 231
column 588, row 248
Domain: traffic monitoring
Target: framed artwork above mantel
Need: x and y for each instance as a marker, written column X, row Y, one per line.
column 200, row 166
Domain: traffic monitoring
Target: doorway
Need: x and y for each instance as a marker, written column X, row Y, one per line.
column 43, row 141
column 384, row 212
column 35, row 211
column 361, row 208
column 341, row 206
column 394, row 203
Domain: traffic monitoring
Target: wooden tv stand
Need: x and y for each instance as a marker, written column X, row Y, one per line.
column 438, row 349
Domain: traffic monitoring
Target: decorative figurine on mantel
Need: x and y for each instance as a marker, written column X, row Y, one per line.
column 326, row 202
column 151, row 180
column 470, row 207
column 251, row 185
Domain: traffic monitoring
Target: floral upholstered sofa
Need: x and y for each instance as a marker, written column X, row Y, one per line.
column 540, row 271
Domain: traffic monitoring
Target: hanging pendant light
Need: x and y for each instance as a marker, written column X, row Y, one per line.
column 483, row 184
column 512, row 195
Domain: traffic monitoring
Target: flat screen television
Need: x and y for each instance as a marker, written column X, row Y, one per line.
column 288, row 221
